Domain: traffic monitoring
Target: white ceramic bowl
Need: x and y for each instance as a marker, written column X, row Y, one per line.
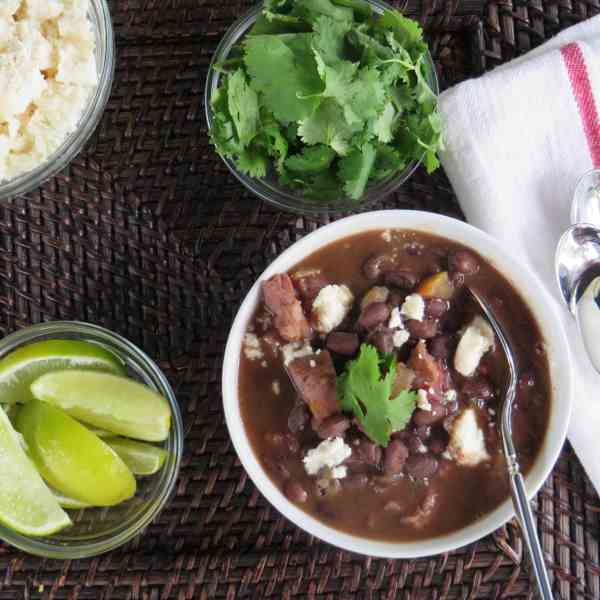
column 518, row 274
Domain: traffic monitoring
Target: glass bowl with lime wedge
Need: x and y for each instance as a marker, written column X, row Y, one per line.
column 91, row 439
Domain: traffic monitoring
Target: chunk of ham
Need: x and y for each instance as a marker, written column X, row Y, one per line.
column 315, row 381
column 281, row 299
column 309, row 282
column 428, row 372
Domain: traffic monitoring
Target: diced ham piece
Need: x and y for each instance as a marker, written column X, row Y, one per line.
column 289, row 318
column 309, row 283
column 315, row 381
column 427, row 369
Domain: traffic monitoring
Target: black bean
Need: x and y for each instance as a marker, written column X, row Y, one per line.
column 442, row 346
column 343, row 343
column 424, row 330
column 429, row 417
column 395, row 456
column 334, row 426
column 436, row 307
column 437, row 446
column 298, row 418
column 414, row 249
column 421, row 466
column 295, row 492
column 283, row 442
column 383, row 340
column 364, row 453
column 376, row 265
column 463, row 262
column 401, row 278
column 374, row 314
column 477, row 388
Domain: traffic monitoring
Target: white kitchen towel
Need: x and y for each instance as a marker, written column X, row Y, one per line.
column 517, row 140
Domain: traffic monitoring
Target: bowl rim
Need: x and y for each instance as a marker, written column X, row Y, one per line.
column 521, row 277
column 273, row 193
column 84, row 549
column 106, row 50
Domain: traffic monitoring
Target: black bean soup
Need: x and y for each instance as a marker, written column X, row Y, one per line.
column 397, row 297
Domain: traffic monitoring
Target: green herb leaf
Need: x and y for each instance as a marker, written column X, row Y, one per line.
column 283, row 69
column 243, row 107
column 312, row 160
column 328, row 126
column 311, row 10
column 365, row 390
column 355, row 170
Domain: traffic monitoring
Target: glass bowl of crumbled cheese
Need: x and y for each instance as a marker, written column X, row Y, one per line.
column 57, row 62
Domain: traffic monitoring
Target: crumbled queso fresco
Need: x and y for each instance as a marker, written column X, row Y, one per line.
column 47, row 73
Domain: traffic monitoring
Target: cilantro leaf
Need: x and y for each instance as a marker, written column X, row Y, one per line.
column 355, row 170
column 311, row 10
column 328, row 41
column 312, row 160
column 253, row 162
column 283, row 69
column 327, row 126
column 407, row 31
column 243, row 107
column 365, row 391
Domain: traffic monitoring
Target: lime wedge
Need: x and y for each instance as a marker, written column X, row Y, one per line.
column 26, row 503
column 19, row 368
column 102, row 433
column 67, row 502
column 141, row 458
column 117, row 404
column 72, row 459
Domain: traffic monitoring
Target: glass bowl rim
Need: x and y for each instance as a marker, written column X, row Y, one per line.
column 275, row 194
column 85, row 549
column 90, row 119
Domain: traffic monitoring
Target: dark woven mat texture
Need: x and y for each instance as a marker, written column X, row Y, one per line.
column 147, row 233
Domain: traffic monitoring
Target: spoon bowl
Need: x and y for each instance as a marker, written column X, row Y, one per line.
column 577, row 262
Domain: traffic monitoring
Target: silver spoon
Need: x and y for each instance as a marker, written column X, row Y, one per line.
column 517, row 485
column 577, row 263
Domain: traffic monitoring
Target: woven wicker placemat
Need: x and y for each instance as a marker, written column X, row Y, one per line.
column 148, row 234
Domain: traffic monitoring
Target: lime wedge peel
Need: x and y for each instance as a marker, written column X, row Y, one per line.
column 25, row 364
column 26, row 503
column 123, row 406
column 141, row 458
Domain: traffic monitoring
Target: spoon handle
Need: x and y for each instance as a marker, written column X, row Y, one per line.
column 525, row 518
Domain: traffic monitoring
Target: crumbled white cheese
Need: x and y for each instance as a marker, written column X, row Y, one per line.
column 375, row 294
column 446, row 455
column 475, row 341
column 395, row 321
column 413, row 307
column 264, row 364
column 252, row 349
column 329, row 453
column 339, row 472
column 47, row 74
column 312, row 364
column 423, row 401
column 386, row 236
column 276, row 387
column 400, row 338
column 295, row 350
column 467, row 444
column 331, row 306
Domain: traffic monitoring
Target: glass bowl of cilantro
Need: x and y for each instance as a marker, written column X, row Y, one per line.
column 322, row 105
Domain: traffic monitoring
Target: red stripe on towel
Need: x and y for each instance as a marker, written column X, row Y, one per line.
column 584, row 96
